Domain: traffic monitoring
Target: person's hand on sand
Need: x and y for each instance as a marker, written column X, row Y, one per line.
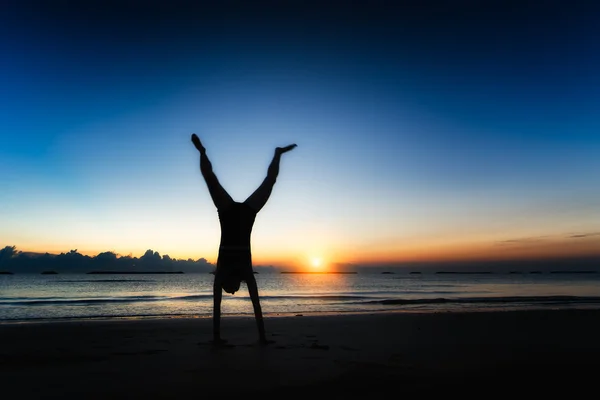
column 219, row 342
column 281, row 150
column 198, row 143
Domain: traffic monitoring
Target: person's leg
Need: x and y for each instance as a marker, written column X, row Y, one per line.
column 253, row 290
column 258, row 199
column 219, row 195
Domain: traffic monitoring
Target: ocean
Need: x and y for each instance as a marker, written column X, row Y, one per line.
column 33, row 297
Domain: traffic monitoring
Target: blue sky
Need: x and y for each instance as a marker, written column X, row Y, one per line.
column 433, row 132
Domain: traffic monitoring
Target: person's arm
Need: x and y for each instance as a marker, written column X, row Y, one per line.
column 217, row 296
column 253, row 290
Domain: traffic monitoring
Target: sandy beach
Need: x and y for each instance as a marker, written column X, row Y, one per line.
column 386, row 354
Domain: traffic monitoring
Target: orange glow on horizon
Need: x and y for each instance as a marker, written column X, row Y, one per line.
column 295, row 258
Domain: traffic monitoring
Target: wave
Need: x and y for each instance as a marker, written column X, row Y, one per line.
column 317, row 297
column 94, row 300
column 340, row 299
column 495, row 300
column 43, row 301
column 93, row 316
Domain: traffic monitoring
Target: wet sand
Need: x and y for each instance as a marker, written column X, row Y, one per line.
column 391, row 354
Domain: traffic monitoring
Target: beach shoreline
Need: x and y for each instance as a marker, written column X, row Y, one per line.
column 344, row 353
column 270, row 315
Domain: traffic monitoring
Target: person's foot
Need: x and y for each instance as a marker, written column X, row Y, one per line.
column 198, row 143
column 281, row 150
column 265, row 341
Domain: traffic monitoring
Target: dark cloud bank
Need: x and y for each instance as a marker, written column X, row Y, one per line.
column 15, row 261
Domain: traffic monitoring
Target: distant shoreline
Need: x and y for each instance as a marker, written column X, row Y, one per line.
column 487, row 272
column 132, row 272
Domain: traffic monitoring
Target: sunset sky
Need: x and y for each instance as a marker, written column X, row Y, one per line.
column 436, row 131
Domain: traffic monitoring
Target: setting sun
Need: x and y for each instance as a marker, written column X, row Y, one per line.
column 316, row 262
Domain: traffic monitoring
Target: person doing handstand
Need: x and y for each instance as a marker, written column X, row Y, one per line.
column 234, row 262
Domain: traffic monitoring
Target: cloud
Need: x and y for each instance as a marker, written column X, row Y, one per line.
column 540, row 239
column 15, row 261
column 525, row 240
column 584, row 235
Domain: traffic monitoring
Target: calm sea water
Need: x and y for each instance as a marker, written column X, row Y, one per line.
column 32, row 297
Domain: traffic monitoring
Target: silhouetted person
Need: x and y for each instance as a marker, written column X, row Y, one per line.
column 234, row 263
